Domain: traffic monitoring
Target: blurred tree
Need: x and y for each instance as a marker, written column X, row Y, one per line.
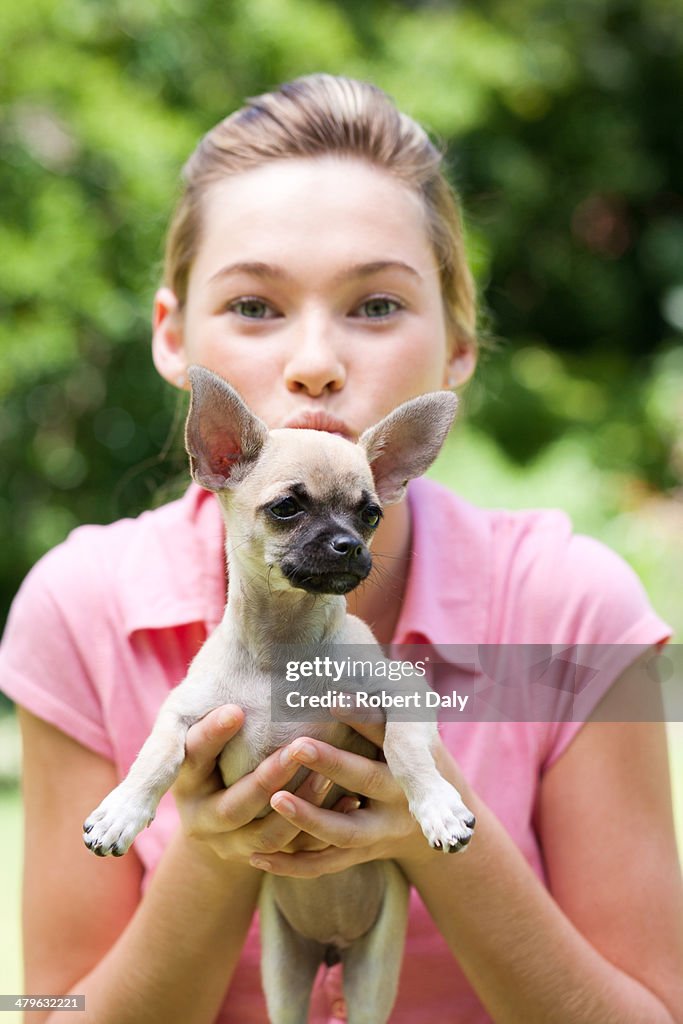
column 565, row 140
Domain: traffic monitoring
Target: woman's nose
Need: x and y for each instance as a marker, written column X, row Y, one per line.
column 315, row 364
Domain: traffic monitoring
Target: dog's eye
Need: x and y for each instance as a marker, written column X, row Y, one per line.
column 287, row 508
column 371, row 515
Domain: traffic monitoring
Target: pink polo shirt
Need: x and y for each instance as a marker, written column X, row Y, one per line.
column 106, row 624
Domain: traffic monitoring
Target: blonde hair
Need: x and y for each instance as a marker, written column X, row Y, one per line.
column 319, row 115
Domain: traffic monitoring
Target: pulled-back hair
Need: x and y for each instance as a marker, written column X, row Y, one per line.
column 321, row 115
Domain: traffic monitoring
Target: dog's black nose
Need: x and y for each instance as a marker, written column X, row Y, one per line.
column 331, row 563
column 344, row 544
column 350, row 553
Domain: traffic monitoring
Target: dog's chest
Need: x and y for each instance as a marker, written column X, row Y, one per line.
column 259, row 737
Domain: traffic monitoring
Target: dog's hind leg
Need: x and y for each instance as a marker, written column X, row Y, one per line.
column 289, row 963
column 372, row 964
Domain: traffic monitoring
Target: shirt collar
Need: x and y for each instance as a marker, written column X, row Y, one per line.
column 449, row 582
column 172, row 571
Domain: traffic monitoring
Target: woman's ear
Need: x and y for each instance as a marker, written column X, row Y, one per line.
column 168, row 349
column 460, row 366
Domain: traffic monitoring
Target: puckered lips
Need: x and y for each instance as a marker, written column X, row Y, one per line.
column 319, row 419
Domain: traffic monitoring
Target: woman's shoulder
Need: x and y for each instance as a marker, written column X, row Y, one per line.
column 506, row 527
column 161, row 557
column 573, row 588
column 72, row 632
column 546, row 583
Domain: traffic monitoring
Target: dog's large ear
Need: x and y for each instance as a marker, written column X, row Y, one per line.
column 405, row 443
column 222, row 436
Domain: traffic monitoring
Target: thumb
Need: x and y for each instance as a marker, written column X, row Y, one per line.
column 371, row 725
column 206, row 739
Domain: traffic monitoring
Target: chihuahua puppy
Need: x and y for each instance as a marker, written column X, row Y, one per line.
column 300, row 508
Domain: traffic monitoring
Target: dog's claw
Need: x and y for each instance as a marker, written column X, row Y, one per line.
column 453, row 845
column 445, row 821
column 112, row 827
column 459, row 844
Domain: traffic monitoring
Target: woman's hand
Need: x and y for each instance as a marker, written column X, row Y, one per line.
column 225, row 819
column 382, row 829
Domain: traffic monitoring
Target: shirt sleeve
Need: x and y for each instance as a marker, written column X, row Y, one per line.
column 609, row 616
column 47, row 644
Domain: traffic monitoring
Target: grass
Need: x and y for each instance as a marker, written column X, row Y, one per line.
column 10, row 885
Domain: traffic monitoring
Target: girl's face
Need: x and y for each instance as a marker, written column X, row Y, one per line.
column 315, row 292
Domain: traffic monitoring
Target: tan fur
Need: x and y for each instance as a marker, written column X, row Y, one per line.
column 360, row 912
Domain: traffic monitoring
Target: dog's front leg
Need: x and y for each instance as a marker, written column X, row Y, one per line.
column 435, row 804
column 129, row 808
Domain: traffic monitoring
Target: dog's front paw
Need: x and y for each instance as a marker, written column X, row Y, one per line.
column 445, row 820
column 113, row 826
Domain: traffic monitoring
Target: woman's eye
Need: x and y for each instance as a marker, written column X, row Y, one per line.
column 252, row 309
column 379, row 307
column 371, row 515
column 285, row 509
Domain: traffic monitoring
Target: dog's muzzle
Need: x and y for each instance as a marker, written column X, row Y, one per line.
column 333, row 566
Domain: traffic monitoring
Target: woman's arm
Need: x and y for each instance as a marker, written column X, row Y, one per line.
column 605, row 948
column 170, row 955
column 166, row 957
column 608, row 948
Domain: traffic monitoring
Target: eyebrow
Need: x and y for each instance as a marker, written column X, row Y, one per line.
column 256, row 268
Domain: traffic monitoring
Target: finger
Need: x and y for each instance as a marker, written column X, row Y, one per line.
column 240, row 804
column 314, row 788
column 367, row 725
column 307, row 864
column 346, row 805
column 354, row 772
column 302, row 842
column 275, row 835
column 205, row 740
column 275, row 832
column 248, row 797
column 342, row 830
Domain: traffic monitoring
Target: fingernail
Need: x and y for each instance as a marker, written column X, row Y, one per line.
column 305, row 752
column 281, row 803
column 319, row 784
column 259, row 862
column 285, row 756
column 351, row 805
column 226, row 719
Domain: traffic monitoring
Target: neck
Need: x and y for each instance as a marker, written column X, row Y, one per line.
column 263, row 617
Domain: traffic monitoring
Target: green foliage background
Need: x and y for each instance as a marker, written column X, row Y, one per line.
column 564, row 136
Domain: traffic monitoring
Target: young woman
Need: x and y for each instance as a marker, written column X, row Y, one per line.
column 316, row 262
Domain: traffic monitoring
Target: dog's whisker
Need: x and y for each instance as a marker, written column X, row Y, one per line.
column 385, row 579
column 385, row 554
column 282, row 604
column 384, row 571
column 232, row 548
